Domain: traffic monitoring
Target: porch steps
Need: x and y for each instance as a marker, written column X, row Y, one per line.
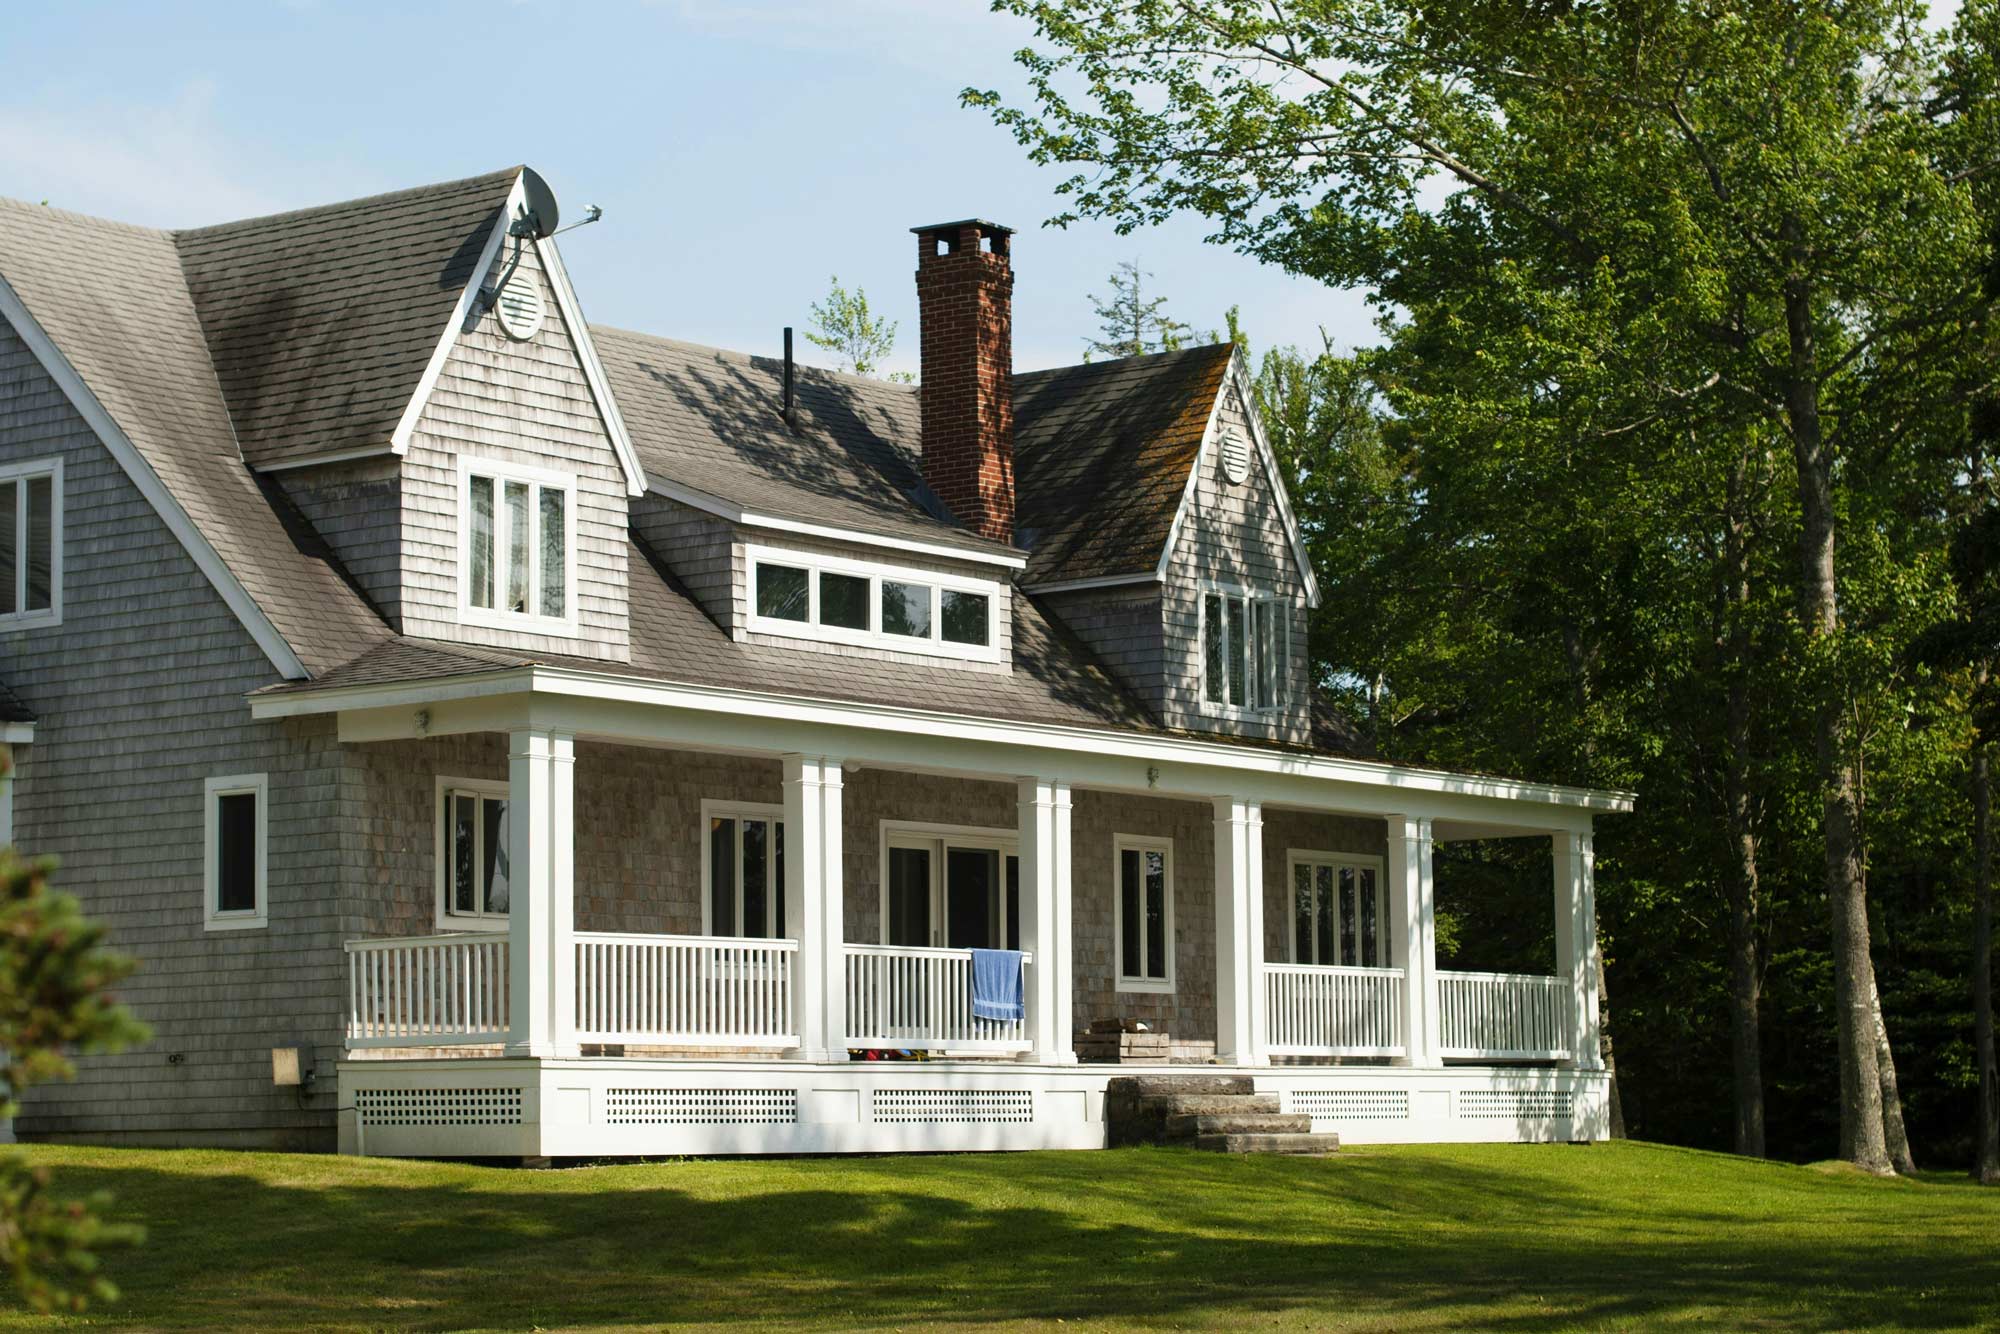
column 1222, row 1113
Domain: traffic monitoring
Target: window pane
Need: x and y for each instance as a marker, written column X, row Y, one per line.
column 1260, row 651
column 498, row 889
column 1349, row 950
column 778, row 879
column 971, row 899
column 236, row 852
column 555, row 551
column 906, row 609
column 722, row 877
column 781, row 592
column 1369, row 955
column 1302, row 914
column 1131, row 914
column 41, row 541
column 843, row 601
column 1324, row 918
column 756, row 880
column 1373, row 889
column 1013, row 903
column 1156, row 914
column 482, row 541
column 464, row 853
column 517, row 546
column 909, row 896
column 1233, row 610
column 964, row 616
column 1214, row 652
column 10, row 550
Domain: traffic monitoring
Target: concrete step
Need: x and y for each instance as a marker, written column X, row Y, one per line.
column 1239, row 1123
column 1141, row 1086
column 1208, row 1104
column 1312, row 1146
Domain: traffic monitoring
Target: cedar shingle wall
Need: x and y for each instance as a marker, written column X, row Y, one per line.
column 357, row 508
column 139, row 695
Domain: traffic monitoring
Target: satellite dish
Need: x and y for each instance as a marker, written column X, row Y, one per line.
column 538, row 207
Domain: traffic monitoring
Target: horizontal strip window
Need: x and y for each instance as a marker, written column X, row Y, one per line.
column 874, row 606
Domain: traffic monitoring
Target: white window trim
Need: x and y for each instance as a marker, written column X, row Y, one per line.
column 873, row 637
column 712, row 810
column 1120, row 845
column 495, row 617
column 1297, row 857
column 447, row 920
column 52, row 615
column 939, row 838
column 1281, row 675
column 213, row 918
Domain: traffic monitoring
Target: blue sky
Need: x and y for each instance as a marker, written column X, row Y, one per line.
column 743, row 153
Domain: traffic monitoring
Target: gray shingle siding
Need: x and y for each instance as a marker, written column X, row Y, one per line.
column 356, row 507
column 139, row 695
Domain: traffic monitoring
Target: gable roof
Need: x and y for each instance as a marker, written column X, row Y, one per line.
column 320, row 322
column 1102, row 457
column 105, row 309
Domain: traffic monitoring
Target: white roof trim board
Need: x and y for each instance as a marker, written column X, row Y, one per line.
column 726, row 509
column 205, row 557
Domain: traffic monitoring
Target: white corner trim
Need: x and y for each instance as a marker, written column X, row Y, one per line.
column 593, row 369
column 16, row 734
column 708, row 503
column 205, row 556
column 461, row 312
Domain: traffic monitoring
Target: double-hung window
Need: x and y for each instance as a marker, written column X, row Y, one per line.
column 1246, row 650
column 474, row 855
column 743, row 859
column 1144, row 913
column 1340, row 910
column 31, row 543
column 517, row 547
column 234, row 825
column 805, row 596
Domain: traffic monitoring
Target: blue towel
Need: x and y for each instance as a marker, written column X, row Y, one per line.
column 996, row 985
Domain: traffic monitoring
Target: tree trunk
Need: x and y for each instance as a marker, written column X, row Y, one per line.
column 1604, row 1050
column 1987, row 1167
column 1894, row 1137
column 1745, row 975
column 1861, row 1136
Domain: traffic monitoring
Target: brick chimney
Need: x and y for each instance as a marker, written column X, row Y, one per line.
column 965, row 305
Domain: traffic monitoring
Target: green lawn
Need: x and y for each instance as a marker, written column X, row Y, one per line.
column 1493, row 1237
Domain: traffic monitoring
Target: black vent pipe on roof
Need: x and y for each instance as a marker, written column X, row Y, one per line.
column 791, row 389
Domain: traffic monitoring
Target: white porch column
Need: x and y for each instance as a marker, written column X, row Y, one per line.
column 1576, row 944
column 1239, row 931
column 1044, row 819
column 1413, row 910
column 814, row 903
column 541, row 918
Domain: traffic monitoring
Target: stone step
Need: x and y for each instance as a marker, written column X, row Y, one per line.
column 1314, row 1146
column 1239, row 1123
column 1140, row 1086
column 1207, row 1104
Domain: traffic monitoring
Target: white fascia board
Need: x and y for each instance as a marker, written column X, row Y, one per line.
column 332, row 456
column 461, row 313
column 556, row 683
column 178, row 522
column 1104, row 581
column 668, row 489
column 593, row 369
column 16, row 734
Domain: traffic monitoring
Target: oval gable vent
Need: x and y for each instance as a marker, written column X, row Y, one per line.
column 1235, row 458
column 519, row 307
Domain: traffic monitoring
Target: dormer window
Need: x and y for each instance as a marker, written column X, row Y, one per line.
column 517, row 553
column 841, row 601
column 1246, row 650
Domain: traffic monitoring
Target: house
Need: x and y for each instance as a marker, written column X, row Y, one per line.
column 499, row 735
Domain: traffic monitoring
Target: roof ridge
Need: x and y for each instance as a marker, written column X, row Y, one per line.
column 1118, row 363
column 264, row 219
column 752, row 358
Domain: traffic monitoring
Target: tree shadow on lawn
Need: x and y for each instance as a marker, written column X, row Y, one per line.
column 1149, row 1235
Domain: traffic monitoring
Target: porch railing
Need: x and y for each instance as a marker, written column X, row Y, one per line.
column 1314, row 1010
column 921, row 999
column 427, row 991
column 1504, row 1016
column 685, row 990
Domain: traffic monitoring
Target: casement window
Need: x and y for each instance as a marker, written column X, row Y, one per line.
column 1144, row 913
column 1340, row 910
column 804, row 596
column 475, row 875
column 517, row 547
column 743, row 865
column 958, row 888
column 31, row 544
column 1246, row 650
column 235, row 821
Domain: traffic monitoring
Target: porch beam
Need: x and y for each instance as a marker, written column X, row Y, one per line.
column 1046, row 928
column 1413, row 910
column 814, row 903
column 1239, row 932
column 1576, row 944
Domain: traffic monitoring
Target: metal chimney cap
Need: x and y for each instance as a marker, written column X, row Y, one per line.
column 985, row 228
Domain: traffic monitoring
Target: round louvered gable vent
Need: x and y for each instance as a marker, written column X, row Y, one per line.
column 1235, row 458
column 519, row 307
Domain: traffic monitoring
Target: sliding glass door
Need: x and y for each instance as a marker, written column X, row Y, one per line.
column 958, row 890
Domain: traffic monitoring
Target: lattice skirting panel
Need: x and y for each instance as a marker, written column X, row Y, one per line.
column 932, row 1105
column 701, row 1107
column 1353, row 1104
column 1515, row 1104
column 439, row 1107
